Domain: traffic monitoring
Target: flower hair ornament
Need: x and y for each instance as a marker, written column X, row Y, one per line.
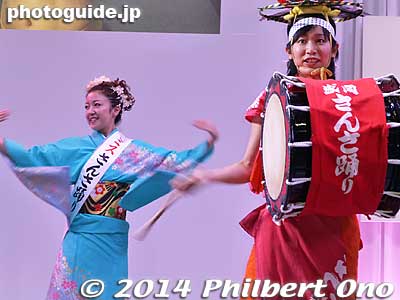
column 97, row 81
column 117, row 86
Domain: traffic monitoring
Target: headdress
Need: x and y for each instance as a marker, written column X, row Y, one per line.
column 339, row 11
column 126, row 100
column 289, row 11
column 302, row 13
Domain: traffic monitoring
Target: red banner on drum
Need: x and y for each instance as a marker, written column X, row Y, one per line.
column 349, row 147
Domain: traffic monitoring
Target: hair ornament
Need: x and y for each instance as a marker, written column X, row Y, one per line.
column 118, row 87
column 97, row 81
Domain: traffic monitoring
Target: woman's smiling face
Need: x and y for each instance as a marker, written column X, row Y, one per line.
column 100, row 115
column 311, row 51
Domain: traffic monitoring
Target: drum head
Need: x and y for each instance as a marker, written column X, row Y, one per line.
column 274, row 146
column 281, row 127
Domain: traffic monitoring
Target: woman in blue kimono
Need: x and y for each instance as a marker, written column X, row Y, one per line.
column 95, row 246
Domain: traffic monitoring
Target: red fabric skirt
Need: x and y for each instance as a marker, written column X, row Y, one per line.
column 303, row 249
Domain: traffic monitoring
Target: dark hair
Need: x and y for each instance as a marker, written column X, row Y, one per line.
column 107, row 88
column 291, row 67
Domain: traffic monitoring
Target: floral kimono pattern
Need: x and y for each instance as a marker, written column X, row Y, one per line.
column 95, row 246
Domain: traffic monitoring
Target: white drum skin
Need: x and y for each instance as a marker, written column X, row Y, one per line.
column 274, row 146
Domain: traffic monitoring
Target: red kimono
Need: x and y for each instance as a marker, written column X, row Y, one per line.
column 303, row 249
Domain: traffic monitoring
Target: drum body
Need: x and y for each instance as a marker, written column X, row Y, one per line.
column 390, row 202
column 287, row 149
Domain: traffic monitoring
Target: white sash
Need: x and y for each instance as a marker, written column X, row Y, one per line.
column 94, row 169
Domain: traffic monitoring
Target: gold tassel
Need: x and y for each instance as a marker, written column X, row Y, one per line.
column 314, row 10
column 324, row 73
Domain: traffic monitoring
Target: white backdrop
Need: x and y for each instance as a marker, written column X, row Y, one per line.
column 381, row 240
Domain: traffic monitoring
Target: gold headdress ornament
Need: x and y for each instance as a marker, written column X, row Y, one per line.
column 288, row 10
column 318, row 9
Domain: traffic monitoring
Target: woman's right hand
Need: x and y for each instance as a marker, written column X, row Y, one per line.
column 4, row 115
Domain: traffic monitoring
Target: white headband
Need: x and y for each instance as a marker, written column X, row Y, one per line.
column 310, row 21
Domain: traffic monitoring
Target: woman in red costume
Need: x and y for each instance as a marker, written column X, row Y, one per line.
column 302, row 249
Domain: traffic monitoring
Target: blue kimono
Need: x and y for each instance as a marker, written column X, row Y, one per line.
column 95, row 246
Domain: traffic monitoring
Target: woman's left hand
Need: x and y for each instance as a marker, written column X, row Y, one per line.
column 209, row 127
column 4, row 115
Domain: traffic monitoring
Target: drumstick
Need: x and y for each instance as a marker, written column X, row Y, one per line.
column 144, row 230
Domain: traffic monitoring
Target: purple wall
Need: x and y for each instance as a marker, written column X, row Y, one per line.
column 176, row 78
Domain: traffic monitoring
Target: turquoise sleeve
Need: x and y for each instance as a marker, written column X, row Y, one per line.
column 60, row 153
column 156, row 183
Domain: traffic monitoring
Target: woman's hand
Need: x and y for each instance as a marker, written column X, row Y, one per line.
column 189, row 182
column 198, row 176
column 4, row 115
column 210, row 128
